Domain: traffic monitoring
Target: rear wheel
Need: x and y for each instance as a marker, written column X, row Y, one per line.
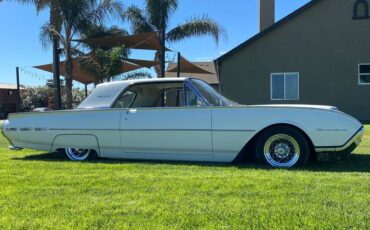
column 282, row 147
column 79, row 154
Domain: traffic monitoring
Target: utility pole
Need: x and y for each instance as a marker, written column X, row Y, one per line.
column 18, row 108
column 85, row 90
column 178, row 64
column 56, row 74
column 54, row 13
column 163, row 52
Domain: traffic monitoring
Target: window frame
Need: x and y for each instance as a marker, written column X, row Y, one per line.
column 284, row 74
column 359, row 74
column 132, row 102
column 356, row 6
column 185, row 84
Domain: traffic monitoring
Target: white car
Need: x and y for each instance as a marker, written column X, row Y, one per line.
column 183, row 119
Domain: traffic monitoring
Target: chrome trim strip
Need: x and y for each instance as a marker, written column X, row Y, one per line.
column 332, row 130
column 355, row 139
column 164, row 130
column 40, row 129
column 25, row 129
column 56, row 129
column 234, row 130
column 208, row 130
column 11, row 129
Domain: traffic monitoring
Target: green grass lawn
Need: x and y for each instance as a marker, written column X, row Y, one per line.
column 39, row 190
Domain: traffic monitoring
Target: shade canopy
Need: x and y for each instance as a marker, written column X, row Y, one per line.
column 86, row 77
column 145, row 41
column 188, row 67
column 143, row 63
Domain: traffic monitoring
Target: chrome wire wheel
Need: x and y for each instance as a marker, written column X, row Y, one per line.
column 77, row 154
column 282, row 151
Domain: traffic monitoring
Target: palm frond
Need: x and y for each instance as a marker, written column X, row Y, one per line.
column 42, row 4
column 196, row 27
column 106, row 10
column 139, row 23
column 134, row 75
column 39, row 4
column 46, row 38
column 71, row 12
column 160, row 11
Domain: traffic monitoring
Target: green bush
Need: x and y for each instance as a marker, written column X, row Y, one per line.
column 37, row 97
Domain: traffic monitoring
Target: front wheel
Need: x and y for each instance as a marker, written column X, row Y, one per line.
column 282, row 147
column 79, row 154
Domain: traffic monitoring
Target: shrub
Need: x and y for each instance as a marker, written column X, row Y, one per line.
column 37, row 97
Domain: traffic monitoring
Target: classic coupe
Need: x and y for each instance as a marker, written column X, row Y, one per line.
column 183, row 119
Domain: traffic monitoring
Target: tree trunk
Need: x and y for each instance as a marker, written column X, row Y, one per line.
column 69, row 69
column 160, row 55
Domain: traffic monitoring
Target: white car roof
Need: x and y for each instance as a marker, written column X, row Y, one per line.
column 105, row 94
column 148, row 80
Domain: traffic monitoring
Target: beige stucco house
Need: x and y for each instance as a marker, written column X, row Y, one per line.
column 319, row 54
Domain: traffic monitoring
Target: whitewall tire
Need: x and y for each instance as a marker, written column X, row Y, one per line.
column 79, row 154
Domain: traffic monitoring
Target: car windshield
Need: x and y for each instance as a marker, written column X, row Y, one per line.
column 210, row 94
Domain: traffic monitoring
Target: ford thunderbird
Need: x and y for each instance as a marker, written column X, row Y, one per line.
column 183, row 119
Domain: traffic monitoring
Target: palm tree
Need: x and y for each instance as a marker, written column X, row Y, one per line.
column 155, row 17
column 75, row 16
column 68, row 19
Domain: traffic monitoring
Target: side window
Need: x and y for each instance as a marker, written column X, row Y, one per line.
column 126, row 100
column 361, row 10
column 191, row 99
column 166, row 94
column 171, row 98
column 151, row 95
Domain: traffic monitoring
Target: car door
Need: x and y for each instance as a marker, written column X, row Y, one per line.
column 168, row 131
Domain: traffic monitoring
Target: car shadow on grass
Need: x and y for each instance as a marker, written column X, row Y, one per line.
column 352, row 163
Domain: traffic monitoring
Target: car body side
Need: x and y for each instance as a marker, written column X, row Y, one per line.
column 196, row 134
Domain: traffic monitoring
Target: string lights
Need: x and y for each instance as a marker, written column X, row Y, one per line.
column 38, row 76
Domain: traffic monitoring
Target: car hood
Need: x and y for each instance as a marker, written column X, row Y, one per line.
column 323, row 107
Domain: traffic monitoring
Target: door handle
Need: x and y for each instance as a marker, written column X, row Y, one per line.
column 131, row 111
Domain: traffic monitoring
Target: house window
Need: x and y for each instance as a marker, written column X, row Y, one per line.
column 361, row 9
column 364, row 74
column 285, row 86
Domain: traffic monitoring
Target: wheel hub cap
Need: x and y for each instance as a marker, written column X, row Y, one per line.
column 282, row 151
column 77, row 154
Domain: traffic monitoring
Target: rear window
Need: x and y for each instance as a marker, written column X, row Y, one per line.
column 103, row 96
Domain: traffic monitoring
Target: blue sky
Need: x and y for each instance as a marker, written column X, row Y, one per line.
column 20, row 45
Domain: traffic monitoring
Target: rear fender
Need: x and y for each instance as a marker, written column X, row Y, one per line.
column 79, row 141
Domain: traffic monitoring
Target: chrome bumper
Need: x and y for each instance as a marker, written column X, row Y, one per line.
column 14, row 148
column 353, row 142
column 11, row 147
